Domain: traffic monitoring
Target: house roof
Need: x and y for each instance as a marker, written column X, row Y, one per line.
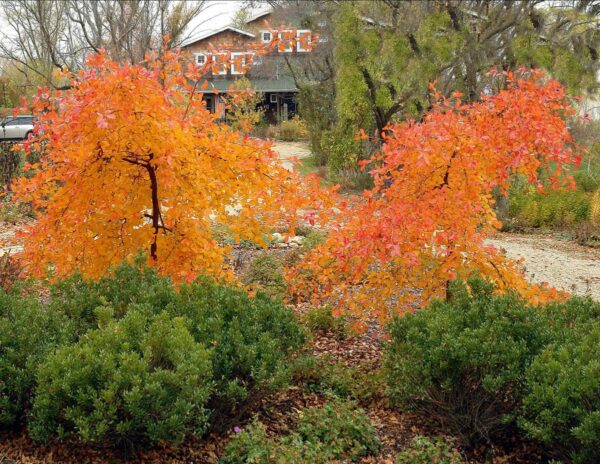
column 208, row 34
column 283, row 84
column 259, row 15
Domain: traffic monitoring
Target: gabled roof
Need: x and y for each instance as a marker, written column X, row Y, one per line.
column 259, row 15
column 208, row 34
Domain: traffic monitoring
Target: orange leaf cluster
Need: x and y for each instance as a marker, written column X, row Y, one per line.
column 132, row 160
column 426, row 220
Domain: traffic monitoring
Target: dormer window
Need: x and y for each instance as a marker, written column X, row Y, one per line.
column 266, row 36
column 200, row 59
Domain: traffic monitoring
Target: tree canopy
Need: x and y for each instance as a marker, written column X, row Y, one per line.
column 132, row 160
column 426, row 220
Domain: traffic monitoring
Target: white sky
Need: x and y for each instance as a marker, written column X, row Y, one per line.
column 216, row 14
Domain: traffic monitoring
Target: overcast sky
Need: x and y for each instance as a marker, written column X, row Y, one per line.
column 217, row 14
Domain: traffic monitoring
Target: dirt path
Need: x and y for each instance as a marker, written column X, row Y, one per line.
column 562, row 263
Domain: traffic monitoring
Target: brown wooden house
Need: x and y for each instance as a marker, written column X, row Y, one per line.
column 231, row 52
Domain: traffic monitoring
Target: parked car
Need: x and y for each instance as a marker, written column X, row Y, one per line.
column 16, row 127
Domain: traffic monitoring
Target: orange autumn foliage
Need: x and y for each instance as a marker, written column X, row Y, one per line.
column 426, row 220
column 132, row 160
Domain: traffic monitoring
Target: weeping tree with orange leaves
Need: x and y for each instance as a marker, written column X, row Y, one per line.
column 426, row 220
column 132, row 160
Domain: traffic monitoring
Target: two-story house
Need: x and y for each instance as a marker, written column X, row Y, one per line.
column 232, row 53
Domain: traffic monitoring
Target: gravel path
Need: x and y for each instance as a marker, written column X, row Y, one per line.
column 289, row 150
column 562, row 263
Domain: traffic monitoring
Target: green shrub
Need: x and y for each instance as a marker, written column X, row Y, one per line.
column 322, row 318
column 352, row 179
column 127, row 285
column 528, row 208
column 137, row 378
column 337, row 431
column 588, row 180
column 424, row 450
column 27, row 333
column 566, row 316
column 14, row 213
column 312, row 239
column 340, row 149
column 251, row 446
column 293, row 130
column 266, row 274
column 462, row 361
column 251, row 339
column 562, row 407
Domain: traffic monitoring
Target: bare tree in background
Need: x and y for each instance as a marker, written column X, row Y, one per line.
column 43, row 35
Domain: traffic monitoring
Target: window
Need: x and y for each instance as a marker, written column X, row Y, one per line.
column 266, row 36
column 241, row 61
column 273, row 98
column 286, row 41
column 15, row 122
column 303, row 40
column 219, row 63
column 200, row 59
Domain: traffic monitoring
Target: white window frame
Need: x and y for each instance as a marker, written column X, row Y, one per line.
column 281, row 36
column 299, row 34
column 246, row 56
column 222, row 67
column 234, row 66
column 262, row 37
column 197, row 55
column 271, row 99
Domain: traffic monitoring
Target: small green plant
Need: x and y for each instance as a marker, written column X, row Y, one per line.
column 14, row 213
column 266, row 274
column 462, row 361
column 312, row 239
column 425, row 450
column 337, row 431
column 293, row 130
column 321, row 318
column 251, row 446
column 253, row 340
column 139, row 378
column 562, row 406
column 362, row 383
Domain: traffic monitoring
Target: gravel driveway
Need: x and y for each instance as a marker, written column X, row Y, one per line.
column 562, row 263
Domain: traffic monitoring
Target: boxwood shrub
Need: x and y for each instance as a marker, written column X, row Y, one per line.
column 562, row 406
column 140, row 378
column 462, row 362
column 27, row 332
column 250, row 341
